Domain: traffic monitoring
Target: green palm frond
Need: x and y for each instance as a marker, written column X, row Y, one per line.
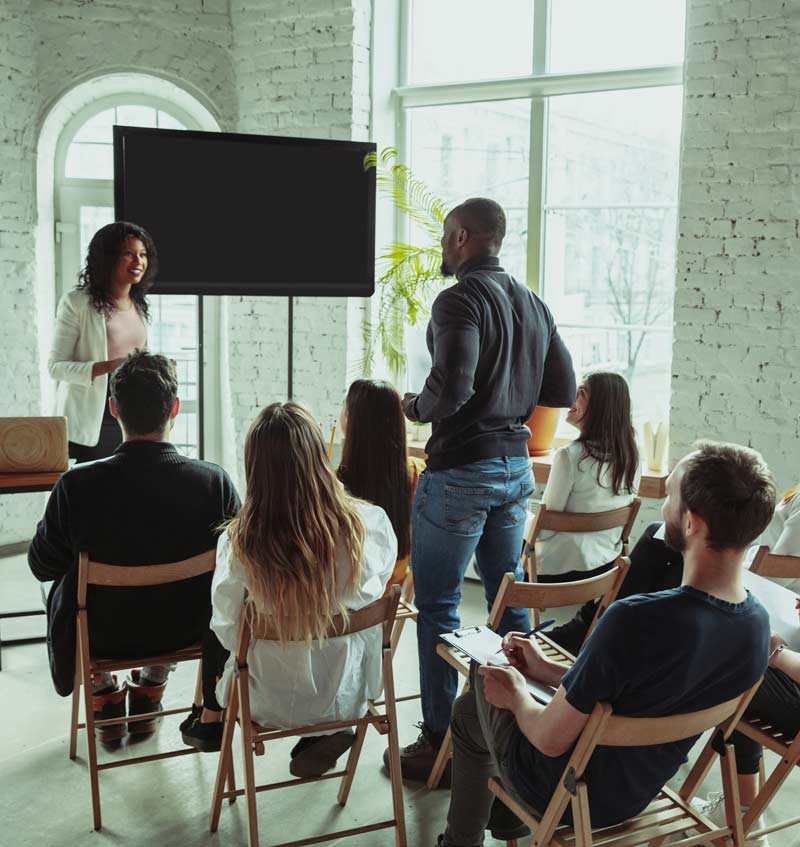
column 408, row 273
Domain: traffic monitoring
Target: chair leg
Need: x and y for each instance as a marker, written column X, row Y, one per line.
column 73, row 728
column 225, row 762
column 198, row 688
column 395, row 774
column 582, row 822
column 91, row 743
column 730, row 785
column 231, row 781
column 352, row 763
column 249, row 774
column 442, row 759
column 768, row 791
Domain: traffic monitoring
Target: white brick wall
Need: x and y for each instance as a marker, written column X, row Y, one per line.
column 302, row 70
column 736, row 365
column 19, row 375
column 298, row 67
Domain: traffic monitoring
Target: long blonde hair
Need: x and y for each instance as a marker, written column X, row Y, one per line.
column 295, row 517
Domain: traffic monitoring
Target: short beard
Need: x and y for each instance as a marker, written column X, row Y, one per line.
column 673, row 537
column 445, row 269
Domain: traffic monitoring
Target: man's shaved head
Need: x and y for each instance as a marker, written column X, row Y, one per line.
column 475, row 228
column 484, row 219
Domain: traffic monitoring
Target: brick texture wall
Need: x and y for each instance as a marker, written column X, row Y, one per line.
column 264, row 66
column 736, row 365
column 19, row 373
column 302, row 70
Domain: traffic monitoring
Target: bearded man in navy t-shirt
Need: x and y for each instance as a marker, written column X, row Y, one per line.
column 651, row 655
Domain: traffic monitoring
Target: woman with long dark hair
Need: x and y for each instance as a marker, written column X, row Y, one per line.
column 98, row 324
column 375, row 465
column 597, row 472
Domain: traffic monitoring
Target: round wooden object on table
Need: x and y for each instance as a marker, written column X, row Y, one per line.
column 33, row 445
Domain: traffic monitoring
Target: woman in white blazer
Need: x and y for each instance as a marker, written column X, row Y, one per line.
column 98, row 324
column 597, row 472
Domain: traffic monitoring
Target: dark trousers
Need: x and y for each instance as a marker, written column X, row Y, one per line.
column 654, row 567
column 777, row 702
column 110, row 438
column 214, row 658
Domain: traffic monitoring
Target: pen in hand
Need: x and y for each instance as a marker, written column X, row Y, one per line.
column 533, row 631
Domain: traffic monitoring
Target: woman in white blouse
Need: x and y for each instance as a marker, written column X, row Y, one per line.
column 98, row 324
column 597, row 472
column 300, row 552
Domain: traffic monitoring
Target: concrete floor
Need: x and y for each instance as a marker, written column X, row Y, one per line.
column 45, row 799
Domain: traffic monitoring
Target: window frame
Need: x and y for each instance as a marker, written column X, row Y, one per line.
column 538, row 87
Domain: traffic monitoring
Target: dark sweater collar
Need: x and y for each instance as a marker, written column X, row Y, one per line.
column 489, row 263
column 158, row 452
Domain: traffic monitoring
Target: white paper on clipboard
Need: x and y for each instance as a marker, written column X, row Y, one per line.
column 781, row 606
column 482, row 644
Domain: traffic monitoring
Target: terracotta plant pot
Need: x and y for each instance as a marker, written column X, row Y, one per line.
column 542, row 424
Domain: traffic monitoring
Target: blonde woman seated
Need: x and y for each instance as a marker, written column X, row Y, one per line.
column 597, row 472
column 301, row 551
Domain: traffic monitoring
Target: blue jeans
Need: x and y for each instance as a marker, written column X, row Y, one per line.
column 478, row 508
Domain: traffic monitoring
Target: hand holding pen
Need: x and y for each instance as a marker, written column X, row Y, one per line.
column 528, row 634
column 523, row 652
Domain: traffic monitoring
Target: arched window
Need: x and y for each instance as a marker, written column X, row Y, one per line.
column 84, row 202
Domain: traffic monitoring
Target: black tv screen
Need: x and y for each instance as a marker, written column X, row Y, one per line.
column 250, row 214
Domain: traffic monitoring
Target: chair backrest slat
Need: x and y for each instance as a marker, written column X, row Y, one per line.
column 98, row 573
column 778, row 567
column 586, row 521
column 553, row 595
column 640, row 732
column 381, row 611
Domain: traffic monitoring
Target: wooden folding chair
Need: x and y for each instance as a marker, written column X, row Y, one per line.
column 787, row 748
column 254, row 735
column 669, row 814
column 96, row 573
column 534, row 595
column 550, row 521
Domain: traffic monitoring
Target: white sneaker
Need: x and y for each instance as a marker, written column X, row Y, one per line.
column 713, row 807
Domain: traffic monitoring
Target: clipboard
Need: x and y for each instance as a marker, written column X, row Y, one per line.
column 482, row 644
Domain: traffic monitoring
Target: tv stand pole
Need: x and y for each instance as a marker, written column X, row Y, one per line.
column 290, row 362
column 201, row 411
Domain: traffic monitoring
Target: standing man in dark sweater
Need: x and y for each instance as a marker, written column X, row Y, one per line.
column 496, row 354
column 145, row 505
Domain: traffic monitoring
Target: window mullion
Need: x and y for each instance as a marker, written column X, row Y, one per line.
column 537, row 152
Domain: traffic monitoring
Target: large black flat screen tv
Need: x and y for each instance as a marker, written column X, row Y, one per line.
column 250, row 214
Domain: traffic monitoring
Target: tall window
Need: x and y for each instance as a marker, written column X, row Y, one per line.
column 85, row 202
column 568, row 113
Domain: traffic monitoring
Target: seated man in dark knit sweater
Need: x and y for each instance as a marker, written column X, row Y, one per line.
column 651, row 655
column 146, row 504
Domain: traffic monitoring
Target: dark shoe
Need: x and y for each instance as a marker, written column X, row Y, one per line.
column 314, row 755
column 141, row 700
column 504, row 825
column 190, row 718
column 417, row 759
column 107, row 704
column 205, row 737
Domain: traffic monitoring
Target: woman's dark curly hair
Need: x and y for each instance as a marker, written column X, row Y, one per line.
column 105, row 248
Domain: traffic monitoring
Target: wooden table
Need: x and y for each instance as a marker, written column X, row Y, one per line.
column 652, row 485
column 25, row 483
